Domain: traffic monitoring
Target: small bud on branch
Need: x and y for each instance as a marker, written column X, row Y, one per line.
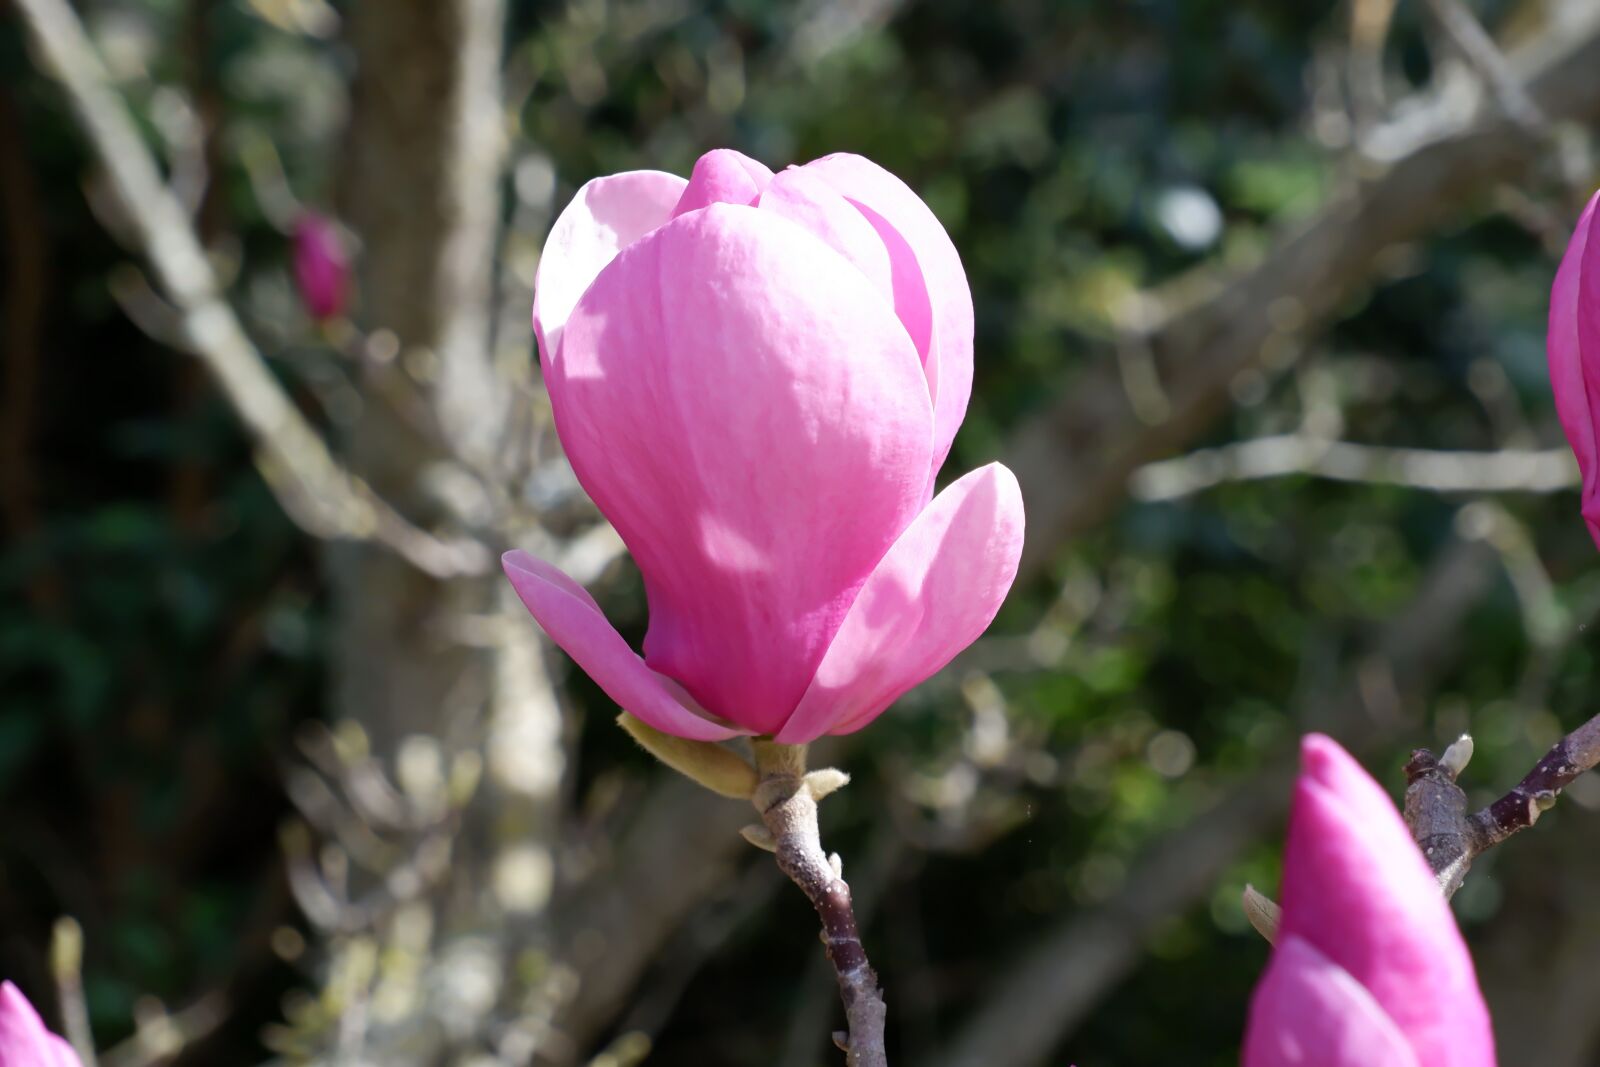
column 1263, row 913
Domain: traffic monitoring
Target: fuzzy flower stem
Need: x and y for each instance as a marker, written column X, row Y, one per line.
column 787, row 802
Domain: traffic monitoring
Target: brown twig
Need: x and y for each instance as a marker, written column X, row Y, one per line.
column 1540, row 470
column 787, row 800
column 1436, row 807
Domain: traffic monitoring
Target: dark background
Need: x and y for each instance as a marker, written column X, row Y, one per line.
column 1048, row 840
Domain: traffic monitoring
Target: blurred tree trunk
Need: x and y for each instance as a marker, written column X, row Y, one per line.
column 420, row 190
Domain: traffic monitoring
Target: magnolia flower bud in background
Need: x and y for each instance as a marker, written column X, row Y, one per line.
column 24, row 1041
column 321, row 266
column 1573, row 348
column 1369, row 969
column 756, row 378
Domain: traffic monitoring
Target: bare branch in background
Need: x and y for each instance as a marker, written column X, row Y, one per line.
column 1436, row 807
column 1478, row 48
column 822, row 26
column 626, row 906
column 1074, row 457
column 1370, row 21
column 66, row 963
column 314, row 489
column 159, row 1036
column 697, row 944
column 1510, row 470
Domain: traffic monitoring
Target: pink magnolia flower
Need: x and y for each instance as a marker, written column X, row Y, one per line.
column 24, row 1041
column 1369, row 968
column 1573, row 348
column 756, row 377
column 321, row 266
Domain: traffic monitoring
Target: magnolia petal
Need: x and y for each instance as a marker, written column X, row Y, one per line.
column 1309, row 1012
column 1356, row 887
column 823, row 212
column 606, row 216
column 723, row 176
column 758, row 443
column 931, row 292
column 574, row 621
column 24, row 1039
column 59, row 1053
column 1573, row 349
column 931, row 596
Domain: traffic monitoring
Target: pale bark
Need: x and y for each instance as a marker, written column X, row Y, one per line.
column 458, row 660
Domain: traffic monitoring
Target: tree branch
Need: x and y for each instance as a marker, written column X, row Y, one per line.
column 1436, row 470
column 1074, row 457
column 319, row 494
column 1436, row 807
column 788, row 806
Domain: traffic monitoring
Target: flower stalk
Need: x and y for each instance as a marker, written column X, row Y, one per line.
column 787, row 800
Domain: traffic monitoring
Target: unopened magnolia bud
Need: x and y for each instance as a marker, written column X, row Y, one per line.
column 718, row 769
column 321, row 266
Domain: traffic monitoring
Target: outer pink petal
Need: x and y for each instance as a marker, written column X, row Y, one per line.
column 931, row 292
column 1309, row 1012
column 1574, row 353
column 723, row 176
column 933, row 593
column 24, row 1039
column 747, row 412
column 573, row 620
column 606, row 216
column 1356, row 887
column 823, row 212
